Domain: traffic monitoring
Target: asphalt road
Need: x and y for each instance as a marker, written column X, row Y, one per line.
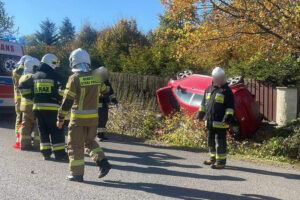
column 139, row 172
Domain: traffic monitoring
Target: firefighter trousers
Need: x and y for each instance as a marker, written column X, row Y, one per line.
column 52, row 138
column 217, row 145
column 80, row 138
column 103, row 118
column 28, row 125
column 18, row 121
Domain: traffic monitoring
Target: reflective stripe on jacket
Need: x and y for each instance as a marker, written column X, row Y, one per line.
column 217, row 102
column 82, row 95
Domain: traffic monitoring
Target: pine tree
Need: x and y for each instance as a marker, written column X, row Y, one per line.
column 66, row 31
column 48, row 34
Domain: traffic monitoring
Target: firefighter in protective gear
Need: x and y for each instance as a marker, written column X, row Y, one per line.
column 104, row 101
column 218, row 108
column 16, row 75
column 28, row 120
column 46, row 99
column 82, row 97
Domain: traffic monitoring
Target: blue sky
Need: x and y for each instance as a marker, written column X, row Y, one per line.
column 99, row 13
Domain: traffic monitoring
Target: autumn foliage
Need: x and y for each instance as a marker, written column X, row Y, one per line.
column 258, row 39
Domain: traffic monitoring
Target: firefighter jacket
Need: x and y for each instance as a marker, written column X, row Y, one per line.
column 43, row 89
column 16, row 75
column 217, row 104
column 82, row 96
column 26, row 93
column 108, row 97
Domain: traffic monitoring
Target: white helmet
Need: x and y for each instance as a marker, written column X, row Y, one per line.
column 30, row 64
column 217, row 72
column 80, row 60
column 51, row 60
column 102, row 72
column 22, row 60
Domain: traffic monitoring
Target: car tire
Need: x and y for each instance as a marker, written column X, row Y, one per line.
column 235, row 80
column 184, row 73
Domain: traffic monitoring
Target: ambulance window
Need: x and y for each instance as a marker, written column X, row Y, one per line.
column 184, row 95
column 197, row 99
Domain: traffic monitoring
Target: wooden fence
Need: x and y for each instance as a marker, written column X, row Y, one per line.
column 137, row 89
column 141, row 90
column 266, row 97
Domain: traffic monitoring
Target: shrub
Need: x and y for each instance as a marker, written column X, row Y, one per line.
column 179, row 130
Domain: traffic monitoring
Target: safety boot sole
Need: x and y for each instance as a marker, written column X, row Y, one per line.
column 209, row 162
column 78, row 178
column 218, row 166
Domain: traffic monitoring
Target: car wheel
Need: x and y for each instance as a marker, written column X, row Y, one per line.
column 184, row 73
column 235, row 80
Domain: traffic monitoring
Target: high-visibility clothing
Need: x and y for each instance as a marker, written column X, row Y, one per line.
column 216, row 140
column 28, row 126
column 26, row 93
column 52, row 138
column 42, row 89
column 103, row 107
column 16, row 75
column 80, row 138
column 217, row 104
column 82, row 97
column 107, row 97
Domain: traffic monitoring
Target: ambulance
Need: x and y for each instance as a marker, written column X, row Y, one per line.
column 10, row 53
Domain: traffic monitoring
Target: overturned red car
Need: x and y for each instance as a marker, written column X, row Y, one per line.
column 186, row 94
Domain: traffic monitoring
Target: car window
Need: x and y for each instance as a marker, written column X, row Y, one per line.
column 197, row 99
column 184, row 95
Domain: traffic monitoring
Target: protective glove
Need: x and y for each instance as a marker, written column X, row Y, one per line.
column 117, row 106
column 200, row 115
column 228, row 119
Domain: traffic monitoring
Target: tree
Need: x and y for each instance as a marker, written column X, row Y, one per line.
column 30, row 40
column 48, row 33
column 87, row 37
column 6, row 22
column 66, row 31
column 218, row 31
column 116, row 40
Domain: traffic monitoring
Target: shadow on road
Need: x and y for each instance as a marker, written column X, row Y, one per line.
column 147, row 158
column 7, row 121
column 175, row 191
column 125, row 139
column 167, row 172
column 264, row 172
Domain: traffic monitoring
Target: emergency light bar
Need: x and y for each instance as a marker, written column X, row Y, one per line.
column 9, row 38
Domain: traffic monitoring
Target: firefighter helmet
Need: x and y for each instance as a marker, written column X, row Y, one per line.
column 30, row 65
column 51, row 60
column 22, row 61
column 80, row 60
column 217, row 72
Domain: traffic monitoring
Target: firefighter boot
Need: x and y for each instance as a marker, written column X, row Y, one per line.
column 218, row 166
column 102, row 137
column 209, row 162
column 62, row 157
column 76, row 178
column 104, row 167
